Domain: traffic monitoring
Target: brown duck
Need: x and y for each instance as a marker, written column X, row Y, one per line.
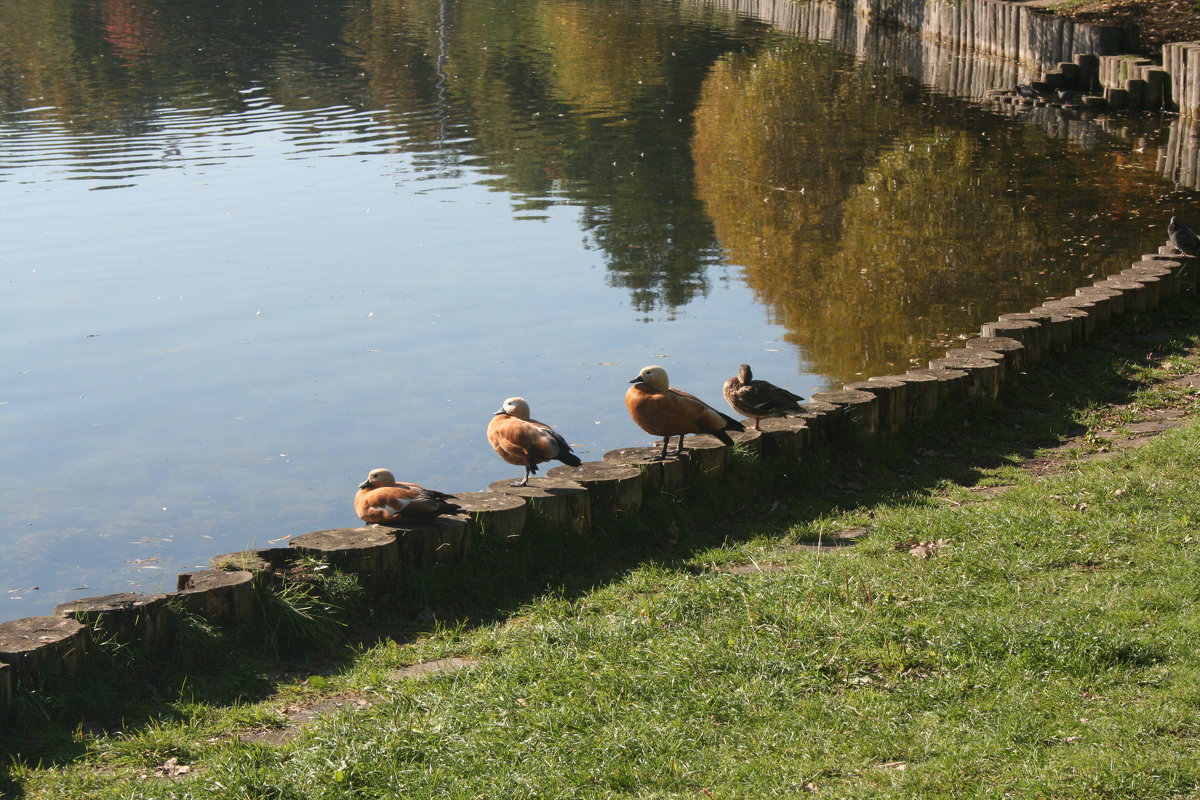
column 759, row 399
column 381, row 498
column 526, row 442
column 662, row 411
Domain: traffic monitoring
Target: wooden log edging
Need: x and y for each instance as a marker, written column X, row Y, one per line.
column 563, row 503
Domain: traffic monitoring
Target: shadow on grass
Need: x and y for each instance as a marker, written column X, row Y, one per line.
column 130, row 687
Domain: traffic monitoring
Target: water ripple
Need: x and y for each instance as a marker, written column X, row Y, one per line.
column 39, row 147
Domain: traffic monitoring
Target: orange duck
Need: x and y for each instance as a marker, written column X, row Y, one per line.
column 759, row 399
column 381, row 498
column 526, row 442
column 662, row 411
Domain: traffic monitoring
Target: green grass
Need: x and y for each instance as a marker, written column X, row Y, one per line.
column 1050, row 647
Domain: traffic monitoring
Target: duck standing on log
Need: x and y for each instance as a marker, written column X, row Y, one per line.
column 662, row 411
column 381, row 498
column 526, row 442
column 759, row 399
column 1183, row 238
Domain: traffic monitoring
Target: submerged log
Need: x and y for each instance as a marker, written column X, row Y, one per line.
column 494, row 517
column 219, row 595
column 557, row 507
column 125, row 617
column 665, row 475
column 614, row 488
column 371, row 552
column 39, row 647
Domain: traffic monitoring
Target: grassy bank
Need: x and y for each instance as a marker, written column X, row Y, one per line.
column 1035, row 642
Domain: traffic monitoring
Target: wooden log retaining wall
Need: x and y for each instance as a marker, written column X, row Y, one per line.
column 944, row 58
column 1018, row 42
column 564, row 503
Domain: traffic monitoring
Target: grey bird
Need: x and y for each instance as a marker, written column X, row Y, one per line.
column 1183, row 238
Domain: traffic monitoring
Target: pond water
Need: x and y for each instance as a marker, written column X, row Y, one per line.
column 252, row 250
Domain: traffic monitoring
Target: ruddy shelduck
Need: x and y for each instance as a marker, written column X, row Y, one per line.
column 381, row 498
column 662, row 411
column 759, row 399
column 526, row 442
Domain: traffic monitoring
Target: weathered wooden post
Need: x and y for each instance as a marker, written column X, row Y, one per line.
column 661, row 475
column 494, row 516
column 1133, row 291
column 1012, row 350
column 983, row 372
column 861, row 409
column 891, row 401
column 262, row 564
column 827, row 421
column 1110, row 303
column 1083, row 309
column 370, row 552
column 125, row 617
column 953, row 384
column 1025, row 331
column 1040, row 335
column 781, row 437
column 40, row 647
column 1170, row 283
column 440, row 540
column 708, row 456
column 557, row 507
column 785, row 438
column 1156, row 279
column 748, row 441
column 614, row 488
column 220, row 595
column 921, row 391
column 1077, row 333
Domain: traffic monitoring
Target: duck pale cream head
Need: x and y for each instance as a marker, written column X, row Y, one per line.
column 378, row 478
column 653, row 376
column 515, row 407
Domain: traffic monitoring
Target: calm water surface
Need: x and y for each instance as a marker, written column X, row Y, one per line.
column 252, row 250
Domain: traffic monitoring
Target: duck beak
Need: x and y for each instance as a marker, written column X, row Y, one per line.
column 498, row 413
column 638, row 379
column 365, row 484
